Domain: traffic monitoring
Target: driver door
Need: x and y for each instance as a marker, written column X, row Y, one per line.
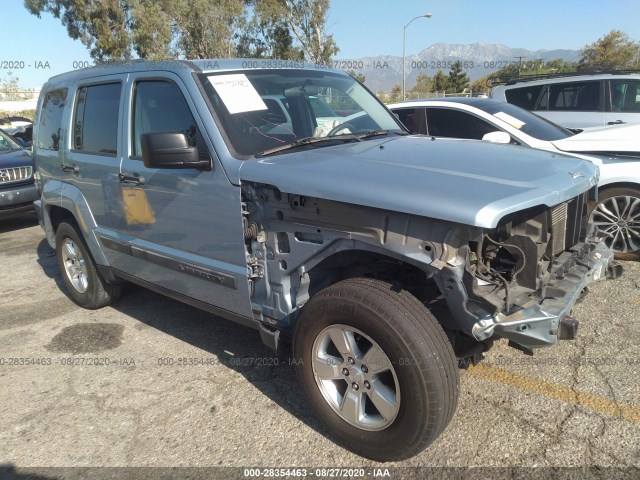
column 185, row 223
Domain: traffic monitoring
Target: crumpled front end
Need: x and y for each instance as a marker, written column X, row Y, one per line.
column 544, row 323
column 521, row 280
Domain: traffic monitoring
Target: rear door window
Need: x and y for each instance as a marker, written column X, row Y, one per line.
column 413, row 119
column 575, row 96
column 95, row 121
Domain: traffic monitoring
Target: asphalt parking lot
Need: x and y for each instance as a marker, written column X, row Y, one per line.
column 151, row 382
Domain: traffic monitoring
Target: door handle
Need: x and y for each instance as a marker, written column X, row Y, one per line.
column 135, row 179
column 617, row 122
column 70, row 168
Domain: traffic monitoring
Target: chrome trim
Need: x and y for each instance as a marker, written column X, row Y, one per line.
column 11, row 175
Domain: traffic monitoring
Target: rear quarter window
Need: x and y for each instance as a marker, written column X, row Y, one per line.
column 524, row 97
column 50, row 123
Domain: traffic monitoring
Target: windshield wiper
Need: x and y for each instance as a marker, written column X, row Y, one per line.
column 336, row 138
column 378, row 133
column 309, row 141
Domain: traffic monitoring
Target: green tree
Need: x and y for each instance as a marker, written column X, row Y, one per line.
column 530, row 67
column 266, row 33
column 306, row 20
column 614, row 51
column 103, row 26
column 423, row 84
column 560, row 66
column 358, row 76
column 480, row 87
column 156, row 29
column 458, row 79
column 440, row 82
column 281, row 43
column 396, row 93
column 152, row 30
column 205, row 28
column 10, row 88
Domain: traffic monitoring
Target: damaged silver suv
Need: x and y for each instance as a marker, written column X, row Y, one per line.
column 290, row 200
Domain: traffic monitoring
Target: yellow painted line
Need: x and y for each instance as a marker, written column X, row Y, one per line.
column 559, row 392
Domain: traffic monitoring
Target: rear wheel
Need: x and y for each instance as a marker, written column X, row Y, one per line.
column 616, row 216
column 84, row 283
column 376, row 367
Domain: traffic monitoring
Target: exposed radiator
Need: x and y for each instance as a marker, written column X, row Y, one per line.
column 559, row 228
column 568, row 224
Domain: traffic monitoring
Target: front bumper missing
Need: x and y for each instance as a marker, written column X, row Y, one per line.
column 542, row 324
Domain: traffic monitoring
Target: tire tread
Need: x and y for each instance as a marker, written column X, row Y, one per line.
column 421, row 329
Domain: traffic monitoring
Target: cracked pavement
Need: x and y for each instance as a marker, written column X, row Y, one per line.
column 153, row 382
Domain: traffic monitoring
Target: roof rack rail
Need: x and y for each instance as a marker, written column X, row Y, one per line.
column 510, row 80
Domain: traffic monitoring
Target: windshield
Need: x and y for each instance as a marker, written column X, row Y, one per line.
column 260, row 110
column 7, row 144
column 525, row 121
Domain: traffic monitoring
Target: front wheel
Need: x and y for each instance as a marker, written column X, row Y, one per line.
column 376, row 367
column 616, row 216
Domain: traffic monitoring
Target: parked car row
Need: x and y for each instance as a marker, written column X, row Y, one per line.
column 294, row 202
column 17, row 188
column 576, row 100
column 20, row 128
column 616, row 149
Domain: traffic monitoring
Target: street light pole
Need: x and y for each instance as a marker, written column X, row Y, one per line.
column 404, row 48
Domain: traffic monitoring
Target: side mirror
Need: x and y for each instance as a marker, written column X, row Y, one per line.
column 170, row 150
column 497, row 137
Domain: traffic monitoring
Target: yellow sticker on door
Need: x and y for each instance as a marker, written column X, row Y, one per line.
column 137, row 210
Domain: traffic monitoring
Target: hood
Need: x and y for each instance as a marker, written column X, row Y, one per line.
column 611, row 139
column 469, row 182
column 15, row 158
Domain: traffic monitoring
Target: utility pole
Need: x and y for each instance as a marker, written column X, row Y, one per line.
column 404, row 48
column 519, row 63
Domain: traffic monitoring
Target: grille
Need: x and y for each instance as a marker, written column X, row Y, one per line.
column 559, row 228
column 14, row 174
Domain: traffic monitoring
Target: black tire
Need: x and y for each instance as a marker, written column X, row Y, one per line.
column 93, row 291
column 623, row 248
column 425, row 367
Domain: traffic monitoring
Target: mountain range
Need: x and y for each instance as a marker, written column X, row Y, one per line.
column 479, row 59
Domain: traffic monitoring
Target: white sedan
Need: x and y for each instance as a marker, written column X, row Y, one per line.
column 616, row 214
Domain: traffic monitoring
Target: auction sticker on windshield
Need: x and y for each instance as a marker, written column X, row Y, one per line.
column 237, row 93
column 513, row 121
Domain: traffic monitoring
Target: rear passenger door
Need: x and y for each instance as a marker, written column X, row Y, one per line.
column 92, row 162
column 577, row 104
column 185, row 224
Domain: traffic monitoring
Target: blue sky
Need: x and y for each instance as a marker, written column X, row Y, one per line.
column 364, row 28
